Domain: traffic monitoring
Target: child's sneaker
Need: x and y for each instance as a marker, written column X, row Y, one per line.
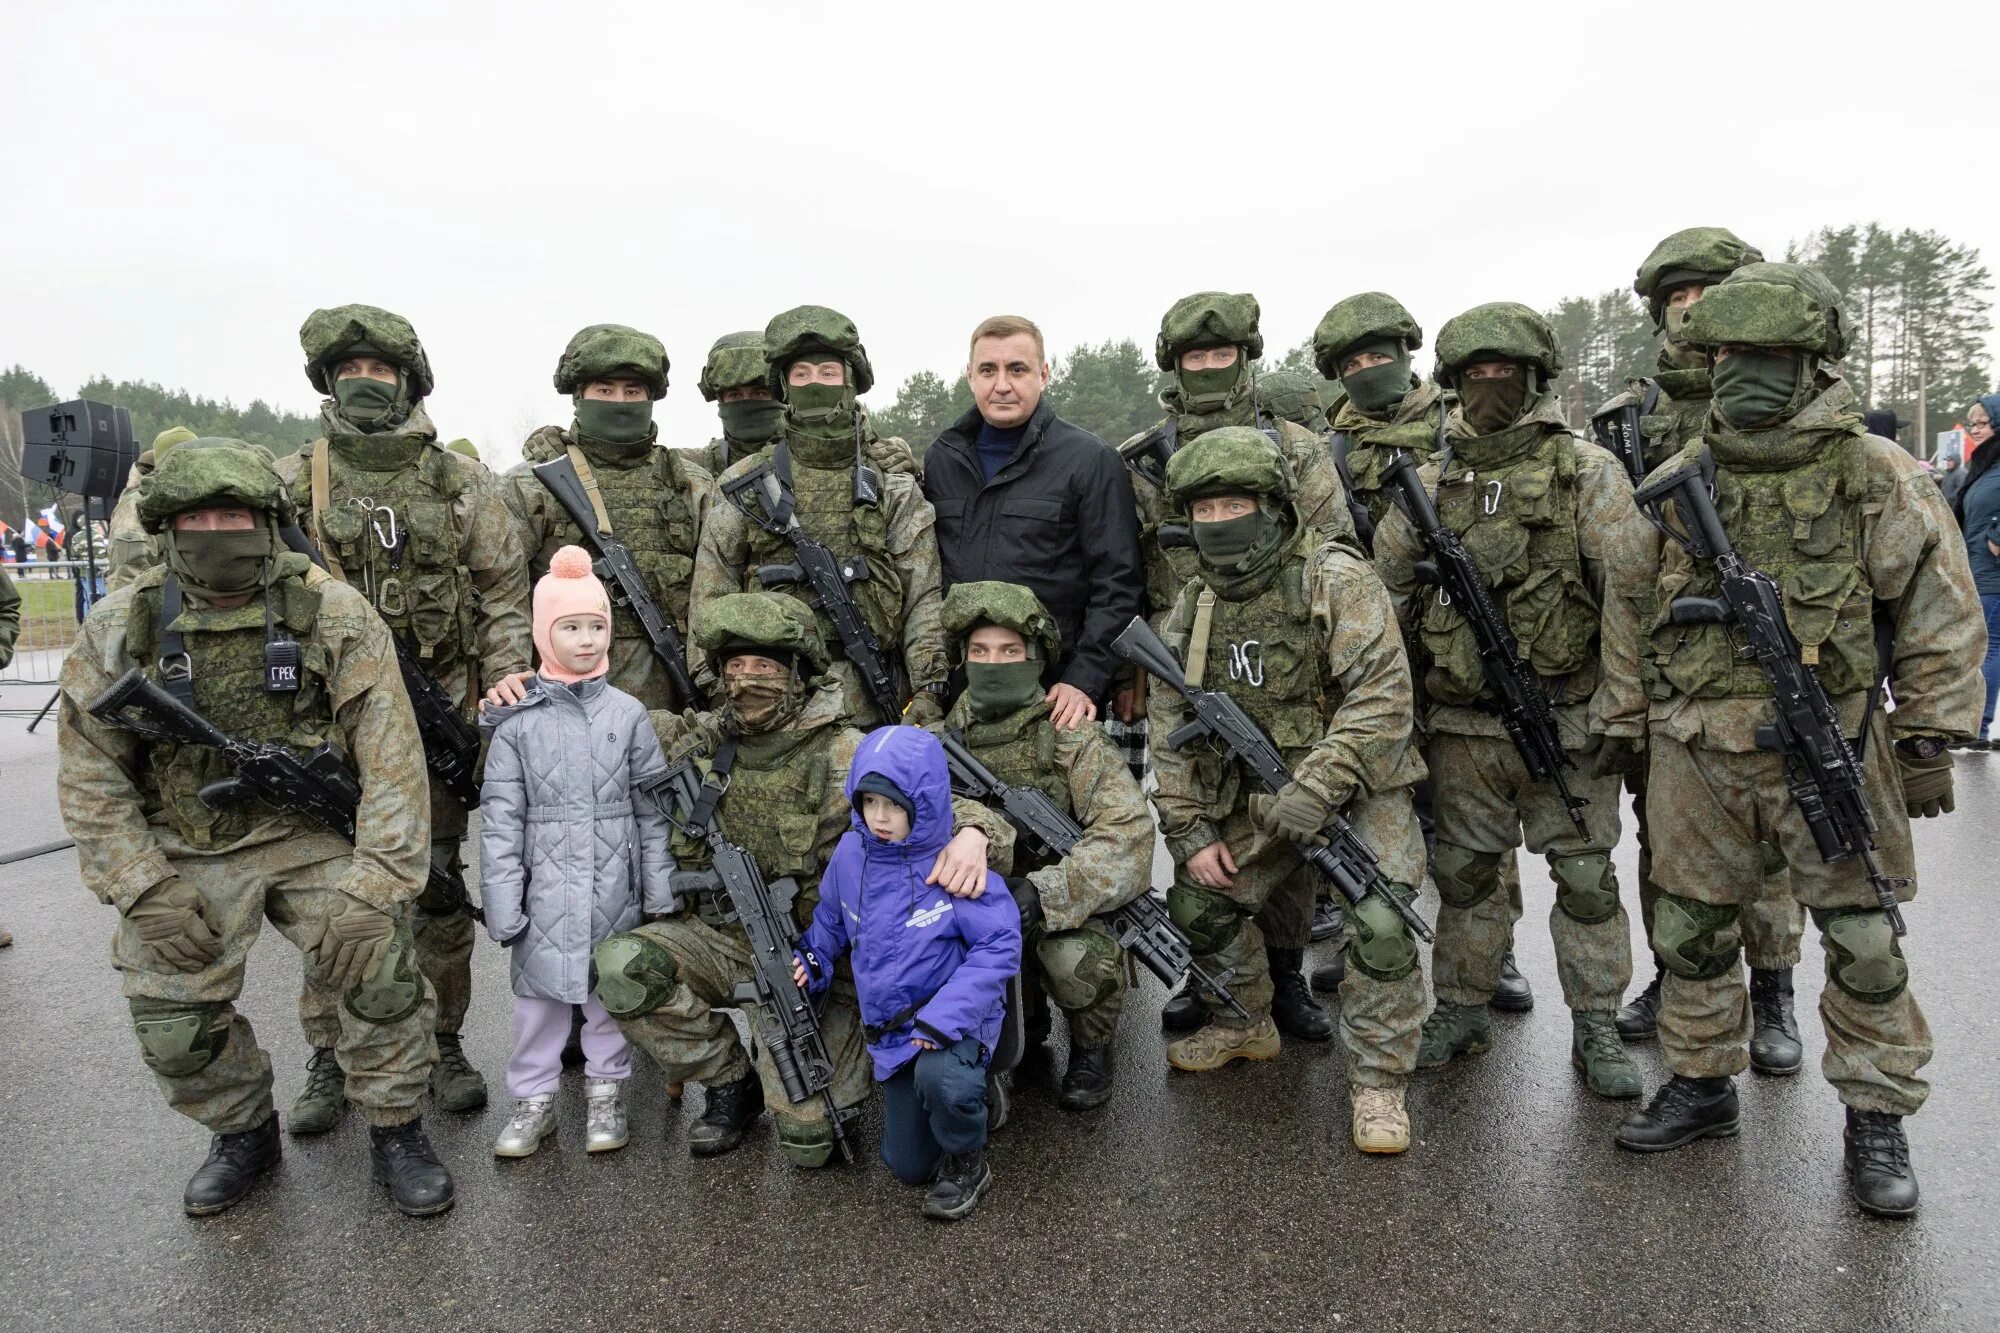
column 961, row 1179
column 607, row 1130
column 534, row 1119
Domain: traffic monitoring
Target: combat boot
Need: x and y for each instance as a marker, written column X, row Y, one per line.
column 1774, row 1039
column 1326, row 978
column 1640, row 1020
column 1087, row 1081
column 324, row 1100
column 1184, row 1012
column 1215, row 1046
column 1879, row 1175
column 1381, row 1121
column 455, row 1084
column 962, row 1178
column 235, row 1162
column 1598, row 1054
column 1453, row 1030
column 1328, row 920
column 1293, row 1008
column 404, row 1161
column 1683, row 1110
column 1512, row 994
column 730, row 1110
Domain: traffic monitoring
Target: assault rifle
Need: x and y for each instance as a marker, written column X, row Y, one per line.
column 1364, row 522
column 559, row 476
column 1618, row 429
column 318, row 786
column 1141, row 925
column 790, row 1026
column 1821, row 768
column 1342, row 857
column 1518, row 698
column 763, row 496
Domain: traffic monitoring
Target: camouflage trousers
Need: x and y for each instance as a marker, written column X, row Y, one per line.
column 387, row 1064
column 1083, row 973
column 1712, row 810
column 1486, row 807
column 691, row 1040
column 1772, row 921
column 444, row 932
column 1381, row 1021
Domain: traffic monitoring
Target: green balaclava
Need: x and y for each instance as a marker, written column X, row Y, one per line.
column 1376, row 390
column 996, row 689
column 222, row 564
column 1239, row 545
column 824, row 410
column 1205, row 391
column 1756, row 389
column 1491, row 406
column 371, row 404
column 752, row 420
column 625, row 426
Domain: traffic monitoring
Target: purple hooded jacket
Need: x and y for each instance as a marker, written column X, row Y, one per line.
column 940, row 962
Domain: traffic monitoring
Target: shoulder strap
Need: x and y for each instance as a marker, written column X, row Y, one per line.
column 589, row 480
column 1197, row 654
column 1651, row 398
column 322, row 499
column 715, row 785
column 176, row 667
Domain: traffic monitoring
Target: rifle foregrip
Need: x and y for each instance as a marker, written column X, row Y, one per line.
column 778, row 576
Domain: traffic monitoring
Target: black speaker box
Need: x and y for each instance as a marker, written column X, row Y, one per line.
column 84, row 448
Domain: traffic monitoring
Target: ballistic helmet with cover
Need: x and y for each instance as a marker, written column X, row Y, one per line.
column 1698, row 254
column 751, row 621
column 606, row 350
column 1771, row 305
column 166, row 440
column 1208, row 319
column 990, row 602
column 1369, row 317
column 814, row 331
column 1230, row 460
column 1502, row 330
column 210, row 473
column 329, row 337
column 1293, row 396
column 735, row 362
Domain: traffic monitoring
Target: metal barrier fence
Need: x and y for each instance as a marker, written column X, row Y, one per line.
column 51, row 595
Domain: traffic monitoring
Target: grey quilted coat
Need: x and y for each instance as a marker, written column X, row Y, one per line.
column 569, row 854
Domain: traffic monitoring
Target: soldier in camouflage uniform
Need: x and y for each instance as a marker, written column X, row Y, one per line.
column 819, row 367
column 1006, row 639
column 1852, row 530
column 737, row 379
column 425, row 536
column 130, row 547
column 1298, row 631
column 1294, row 397
column 1207, row 342
column 1673, row 409
column 781, row 722
column 1549, row 521
column 467, row 449
column 193, row 883
column 653, row 498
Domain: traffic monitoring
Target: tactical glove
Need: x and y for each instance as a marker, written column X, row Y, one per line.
column 1296, row 812
column 171, row 920
column 1618, row 756
column 1925, row 766
column 353, row 938
column 925, row 710
column 1028, row 899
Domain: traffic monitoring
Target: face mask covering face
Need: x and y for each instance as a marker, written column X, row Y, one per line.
column 996, row 689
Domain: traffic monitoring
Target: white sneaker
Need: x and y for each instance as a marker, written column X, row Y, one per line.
column 534, row 1119
column 608, row 1130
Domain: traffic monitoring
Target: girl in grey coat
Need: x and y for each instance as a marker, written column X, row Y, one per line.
column 570, row 853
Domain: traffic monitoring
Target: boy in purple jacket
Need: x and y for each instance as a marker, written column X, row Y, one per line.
column 931, row 970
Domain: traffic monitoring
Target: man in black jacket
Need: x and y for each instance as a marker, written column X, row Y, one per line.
column 1024, row 497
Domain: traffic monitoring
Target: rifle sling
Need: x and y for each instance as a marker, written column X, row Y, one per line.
column 322, row 499
column 176, row 667
column 589, row 480
column 714, row 785
column 1197, row 653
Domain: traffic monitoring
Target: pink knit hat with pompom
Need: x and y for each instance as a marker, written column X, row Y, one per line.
column 568, row 589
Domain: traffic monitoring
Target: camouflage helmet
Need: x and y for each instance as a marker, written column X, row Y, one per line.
column 774, row 620
column 1507, row 330
column 1369, row 317
column 806, row 329
column 164, row 442
column 1231, row 460
column 735, row 362
column 1771, row 305
column 209, row 472
column 1208, row 319
column 604, row 350
column 466, row 447
column 329, row 336
column 1293, row 396
column 989, row 602
column 1698, row 254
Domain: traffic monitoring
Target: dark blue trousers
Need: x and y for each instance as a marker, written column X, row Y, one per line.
column 935, row 1104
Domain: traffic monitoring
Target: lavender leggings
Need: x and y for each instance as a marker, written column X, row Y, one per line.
column 541, row 1029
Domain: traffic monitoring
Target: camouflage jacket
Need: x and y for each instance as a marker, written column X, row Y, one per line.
column 1371, row 442
column 131, row 549
column 891, row 453
column 1677, row 415
column 125, row 842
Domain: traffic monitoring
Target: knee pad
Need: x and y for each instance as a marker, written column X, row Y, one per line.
column 444, row 894
column 1863, row 957
column 178, row 1039
column 395, row 989
column 635, row 975
column 1465, row 878
column 1209, row 919
column 805, row 1143
column 1380, row 945
column 1695, row 940
column 1586, row 887
column 1080, row 968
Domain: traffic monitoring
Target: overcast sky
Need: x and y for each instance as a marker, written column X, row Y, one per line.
column 184, row 182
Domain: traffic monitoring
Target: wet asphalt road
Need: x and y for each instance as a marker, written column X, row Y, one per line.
column 1221, row 1201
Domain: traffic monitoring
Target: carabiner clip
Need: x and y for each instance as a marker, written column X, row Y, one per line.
column 1491, row 504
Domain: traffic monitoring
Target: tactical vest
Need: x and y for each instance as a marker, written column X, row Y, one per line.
column 1678, row 415
column 647, row 503
column 411, row 572
column 1021, row 750
column 1517, row 518
column 226, row 668
column 1369, row 451
column 771, row 810
column 1801, row 526
column 823, row 497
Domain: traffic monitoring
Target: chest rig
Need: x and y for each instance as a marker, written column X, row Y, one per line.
column 644, row 500
column 1674, row 409
column 820, row 475
column 1020, row 748
column 773, row 786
